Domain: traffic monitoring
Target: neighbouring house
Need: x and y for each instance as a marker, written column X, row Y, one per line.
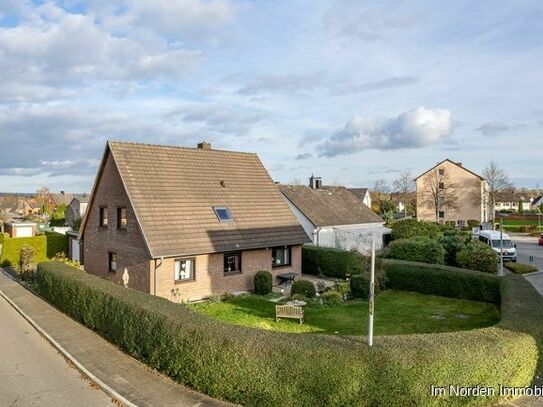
column 76, row 209
column 332, row 216
column 512, row 200
column 450, row 193
column 12, row 206
column 363, row 194
column 187, row 223
column 61, row 198
column 31, row 207
column 20, row 229
column 537, row 201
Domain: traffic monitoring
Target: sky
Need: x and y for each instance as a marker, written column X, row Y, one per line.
column 352, row 91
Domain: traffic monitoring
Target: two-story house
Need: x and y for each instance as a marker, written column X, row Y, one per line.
column 187, row 223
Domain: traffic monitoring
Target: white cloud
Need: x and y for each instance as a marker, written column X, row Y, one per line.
column 413, row 129
column 185, row 17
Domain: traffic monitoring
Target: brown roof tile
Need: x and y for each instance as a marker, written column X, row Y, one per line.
column 173, row 191
column 329, row 206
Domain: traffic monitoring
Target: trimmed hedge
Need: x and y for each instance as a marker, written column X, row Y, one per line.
column 56, row 243
column 256, row 367
column 419, row 249
column 409, row 228
column 441, row 280
column 12, row 247
column 45, row 246
column 335, row 263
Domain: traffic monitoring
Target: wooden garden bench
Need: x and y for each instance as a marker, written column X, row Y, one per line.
column 289, row 311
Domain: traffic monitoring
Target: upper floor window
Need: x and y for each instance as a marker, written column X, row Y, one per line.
column 121, row 218
column 442, row 171
column 103, row 216
column 232, row 262
column 184, row 269
column 281, row 256
column 441, row 185
column 112, row 259
column 223, row 213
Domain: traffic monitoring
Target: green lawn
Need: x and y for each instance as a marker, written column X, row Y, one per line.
column 519, row 222
column 396, row 312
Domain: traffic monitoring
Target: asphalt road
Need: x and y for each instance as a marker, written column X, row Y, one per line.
column 33, row 373
column 527, row 246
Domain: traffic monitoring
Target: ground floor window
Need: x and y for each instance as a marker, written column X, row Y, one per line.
column 441, row 214
column 281, row 256
column 232, row 262
column 184, row 269
column 112, row 259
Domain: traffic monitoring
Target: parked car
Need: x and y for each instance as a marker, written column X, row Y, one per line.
column 541, row 240
column 495, row 240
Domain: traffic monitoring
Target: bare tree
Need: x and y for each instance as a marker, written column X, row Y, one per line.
column 404, row 185
column 42, row 196
column 438, row 193
column 497, row 181
column 380, row 191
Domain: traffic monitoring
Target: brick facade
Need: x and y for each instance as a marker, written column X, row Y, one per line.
column 132, row 253
column 129, row 245
column 210, row 279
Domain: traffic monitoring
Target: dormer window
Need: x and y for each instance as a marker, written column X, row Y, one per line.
column 223, row 214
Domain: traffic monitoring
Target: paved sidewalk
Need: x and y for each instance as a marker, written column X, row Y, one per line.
column 121, row 374
column 536, row 279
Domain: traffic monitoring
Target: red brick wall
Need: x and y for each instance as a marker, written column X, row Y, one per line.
column 129, row 245
column 210, row 278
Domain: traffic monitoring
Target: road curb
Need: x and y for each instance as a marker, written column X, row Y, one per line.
column 103, row 386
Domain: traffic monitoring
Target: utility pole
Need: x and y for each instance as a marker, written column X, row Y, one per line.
column 371, row 296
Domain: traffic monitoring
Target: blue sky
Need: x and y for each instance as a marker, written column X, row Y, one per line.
column 353, row 91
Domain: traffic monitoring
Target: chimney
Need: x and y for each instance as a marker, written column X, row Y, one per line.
column 318, row 183
column 315, row 182
column 204, row 145
column 62, row 192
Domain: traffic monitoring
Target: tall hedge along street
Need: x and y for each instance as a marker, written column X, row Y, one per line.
column 255, row 367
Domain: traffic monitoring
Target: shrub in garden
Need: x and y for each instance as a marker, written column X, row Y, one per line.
column 27, row 254
column 409, row 228
column 303, row 287
column 263, row 282
column 330, row 262
column 360, row 286
column 420, row 249
column 452, row 241
column 332, row 297
column 478, row 256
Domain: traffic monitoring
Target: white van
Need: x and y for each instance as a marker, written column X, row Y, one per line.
column 493, row 239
